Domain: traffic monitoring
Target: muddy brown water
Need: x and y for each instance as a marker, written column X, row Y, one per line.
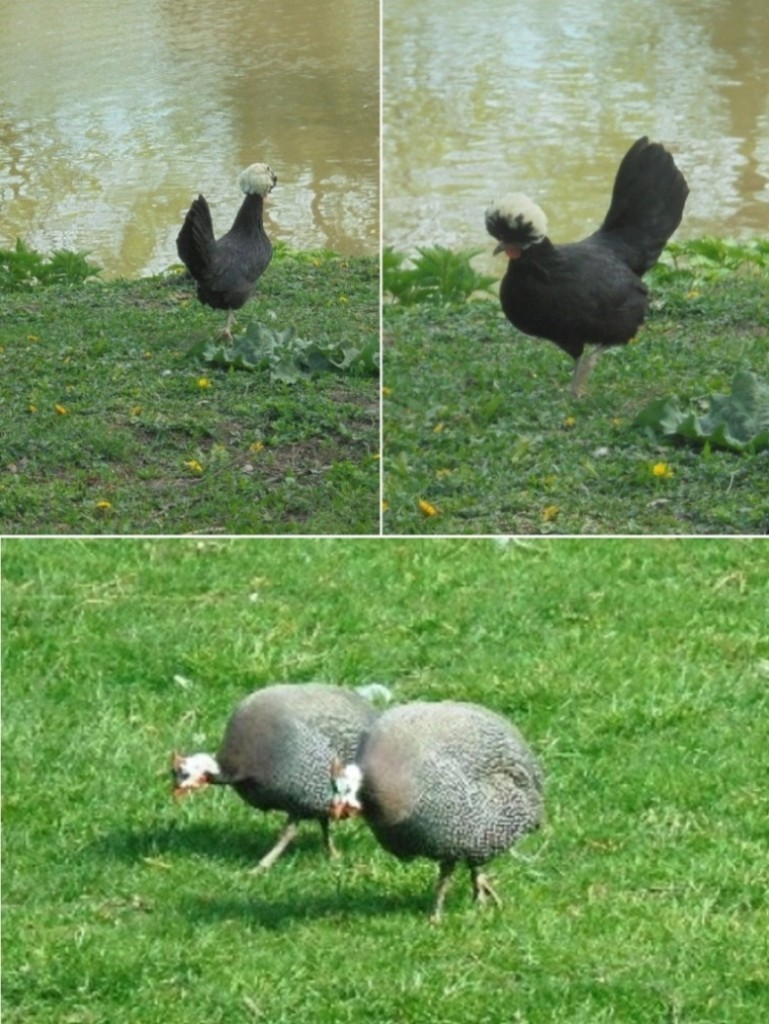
column 545, row 98
column 114, row 116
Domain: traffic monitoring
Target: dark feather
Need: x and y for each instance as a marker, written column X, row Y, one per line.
column 226, row 271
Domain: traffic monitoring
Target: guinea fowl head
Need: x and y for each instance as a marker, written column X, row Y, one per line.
column 517, row 223
column 258, row 179
column 193, row 772
column 345, row 785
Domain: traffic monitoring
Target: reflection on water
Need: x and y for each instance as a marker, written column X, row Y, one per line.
column 545, row 98
column 116, row 115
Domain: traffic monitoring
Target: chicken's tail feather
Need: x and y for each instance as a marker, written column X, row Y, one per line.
column 195, row 242
column 646, row 205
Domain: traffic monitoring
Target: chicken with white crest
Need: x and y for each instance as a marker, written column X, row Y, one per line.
column 588, row 296
column 227, row 270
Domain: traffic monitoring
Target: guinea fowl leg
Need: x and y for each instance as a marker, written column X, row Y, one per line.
column 284, row 839
column 328, row 842
column 584, row 367
column 482, row 887
column 444, row 880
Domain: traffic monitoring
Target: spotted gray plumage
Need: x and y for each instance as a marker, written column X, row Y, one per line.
column 450, row 781
column 278, row 745
column 280, row 741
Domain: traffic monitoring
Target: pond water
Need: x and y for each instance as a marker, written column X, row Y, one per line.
column 545, row 98
column 116, row 115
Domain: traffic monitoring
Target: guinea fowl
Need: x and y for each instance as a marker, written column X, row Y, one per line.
column 449, row 781
column 226, row 270
column 276, row 752
column 588, row 296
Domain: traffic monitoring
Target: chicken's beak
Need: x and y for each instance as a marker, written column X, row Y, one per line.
column 513, row 252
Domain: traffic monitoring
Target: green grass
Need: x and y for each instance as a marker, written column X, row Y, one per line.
column 639, row 670
column 108, row 428
column 479, row 422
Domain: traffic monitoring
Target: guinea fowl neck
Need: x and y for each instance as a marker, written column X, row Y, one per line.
column 250, row 214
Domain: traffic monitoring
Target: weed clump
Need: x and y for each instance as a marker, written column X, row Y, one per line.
column 23, row 269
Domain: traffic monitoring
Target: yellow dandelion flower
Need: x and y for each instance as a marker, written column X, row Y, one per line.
column 194, row 465
column 257, row 446
column 427, row 509
column 104, row 506
column 569, row 422
column 32, row 408
column 662, row 470
column 135, row 410
column 204, row 382
column 385, row 505
column 387, row 391
column 343, row 299
column 550, row 512
column 61, row 410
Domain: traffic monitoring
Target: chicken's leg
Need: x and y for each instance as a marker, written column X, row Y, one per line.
column 584, row 367
column 227, row 329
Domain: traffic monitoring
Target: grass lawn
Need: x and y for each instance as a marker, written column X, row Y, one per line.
column 638, row 669
column 107, row 428
column 479, row 423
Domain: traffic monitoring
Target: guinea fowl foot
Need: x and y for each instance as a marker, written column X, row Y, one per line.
column 482, row 889
column 285, row 839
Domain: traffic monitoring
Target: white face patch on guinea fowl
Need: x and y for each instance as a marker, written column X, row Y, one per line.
column 258, row 179
column 346, row 787
column 194, row 771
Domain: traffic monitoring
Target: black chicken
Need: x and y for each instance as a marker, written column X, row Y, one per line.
column 227, row 270
column 590, row 293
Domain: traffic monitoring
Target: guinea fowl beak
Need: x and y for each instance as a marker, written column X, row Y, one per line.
column 179, row 791
column 177, row 774
column 341, row 809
